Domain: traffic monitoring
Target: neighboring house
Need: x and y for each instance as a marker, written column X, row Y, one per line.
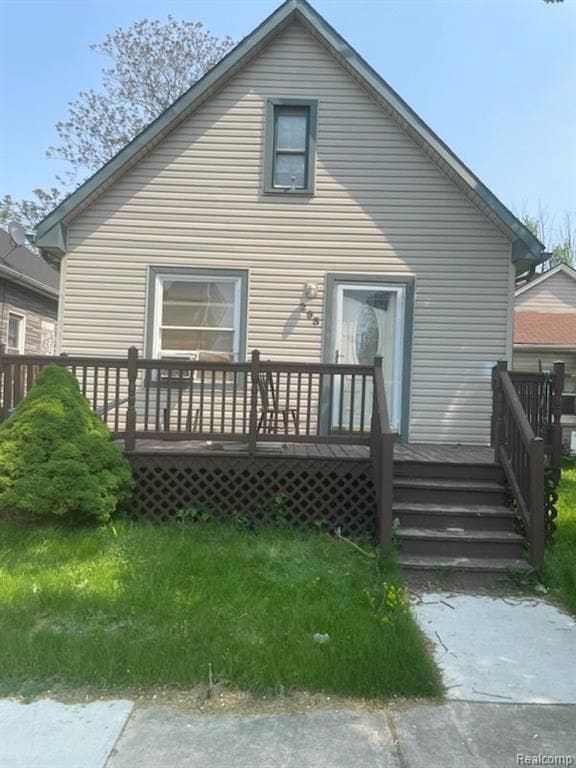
column 291, row 201
column 28, row 300
column 545, row 331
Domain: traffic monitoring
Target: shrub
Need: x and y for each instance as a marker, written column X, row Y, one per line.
column 57, row 458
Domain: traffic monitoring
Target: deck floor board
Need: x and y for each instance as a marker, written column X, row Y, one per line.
column 413, row 452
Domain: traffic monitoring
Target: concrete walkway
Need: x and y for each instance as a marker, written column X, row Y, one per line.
column 520, row 650
column 508, row 665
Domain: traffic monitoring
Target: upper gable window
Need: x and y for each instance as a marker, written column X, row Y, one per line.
column 290, row 145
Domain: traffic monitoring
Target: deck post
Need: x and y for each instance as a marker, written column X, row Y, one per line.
column 375, row 421
column 498, row 415
column 537, row 514
column 386, row 481
column 130, row 436
column 556, row 426
column 254, row 373
column 382, row 454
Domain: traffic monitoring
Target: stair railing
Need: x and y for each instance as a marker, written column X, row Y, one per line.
column 521, row 454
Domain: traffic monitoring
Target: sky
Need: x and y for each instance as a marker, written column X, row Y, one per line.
column 495, row 79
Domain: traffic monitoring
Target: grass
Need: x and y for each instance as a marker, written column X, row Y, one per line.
column 559, row 572
column 141, row 606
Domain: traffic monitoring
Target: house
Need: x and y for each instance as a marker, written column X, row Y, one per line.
column 291, row 175
column 287, row 286
column 545, row 331
column 28, row 300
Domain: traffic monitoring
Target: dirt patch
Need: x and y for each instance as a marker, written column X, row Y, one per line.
column 220, row 700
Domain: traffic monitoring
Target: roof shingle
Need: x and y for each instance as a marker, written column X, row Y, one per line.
column 552, row 328
column 26, row 263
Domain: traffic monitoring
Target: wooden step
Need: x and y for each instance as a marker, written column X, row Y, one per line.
column 449, row 470
column 458, row 542
column 424, row 490
column 463, row 572
column 471, row 516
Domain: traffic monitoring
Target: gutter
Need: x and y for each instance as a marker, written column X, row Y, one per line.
column 29, row 282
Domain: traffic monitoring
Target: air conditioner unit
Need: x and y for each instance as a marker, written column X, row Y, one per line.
column 172, row 375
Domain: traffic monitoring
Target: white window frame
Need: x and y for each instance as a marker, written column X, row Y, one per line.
column 21, row 332
column 208, row 277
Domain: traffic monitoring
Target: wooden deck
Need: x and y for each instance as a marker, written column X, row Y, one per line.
column 311, row 443
column 409, row 452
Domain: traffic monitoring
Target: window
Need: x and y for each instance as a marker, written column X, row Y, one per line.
column 16, row 332
column 290, row 145
column 200, row 315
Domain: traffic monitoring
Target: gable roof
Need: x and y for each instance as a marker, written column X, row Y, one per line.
column 560, row 269
column 51, row 231
column 21, row 265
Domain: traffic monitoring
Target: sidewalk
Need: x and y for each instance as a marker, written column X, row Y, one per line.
column 452, row 735
column 458, row 734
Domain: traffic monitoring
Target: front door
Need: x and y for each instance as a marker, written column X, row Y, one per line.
column 369, row 322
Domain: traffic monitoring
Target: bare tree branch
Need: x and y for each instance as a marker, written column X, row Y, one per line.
column 153, row 63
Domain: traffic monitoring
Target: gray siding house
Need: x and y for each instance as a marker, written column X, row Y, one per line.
column 292, row 202
column 28, row 300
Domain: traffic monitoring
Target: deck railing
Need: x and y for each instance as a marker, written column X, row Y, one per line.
column 255, row 402
column 527, row 441
column 541, row 397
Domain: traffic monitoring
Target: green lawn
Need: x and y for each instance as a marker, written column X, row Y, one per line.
column 560, row 564
column 141, row 606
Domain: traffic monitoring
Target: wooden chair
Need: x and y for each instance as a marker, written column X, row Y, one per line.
column 271, row 411
column 192, row 414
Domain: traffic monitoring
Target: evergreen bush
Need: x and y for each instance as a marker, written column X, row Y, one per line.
column 57, row 458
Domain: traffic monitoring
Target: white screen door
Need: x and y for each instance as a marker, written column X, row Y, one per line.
column 369, row 321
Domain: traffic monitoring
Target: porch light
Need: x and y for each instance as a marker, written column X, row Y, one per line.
column 310, row 290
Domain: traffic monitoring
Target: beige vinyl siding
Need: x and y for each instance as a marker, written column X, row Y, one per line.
column 555, row 294
column 381, row 206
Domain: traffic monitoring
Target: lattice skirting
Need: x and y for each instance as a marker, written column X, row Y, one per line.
column 303, row 492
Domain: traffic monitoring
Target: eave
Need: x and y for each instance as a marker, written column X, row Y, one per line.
column 7, row 273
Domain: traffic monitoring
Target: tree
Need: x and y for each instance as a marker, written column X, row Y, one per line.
column 29, row 212
column 560, row 239
column 564, row 252
column 152, row 64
